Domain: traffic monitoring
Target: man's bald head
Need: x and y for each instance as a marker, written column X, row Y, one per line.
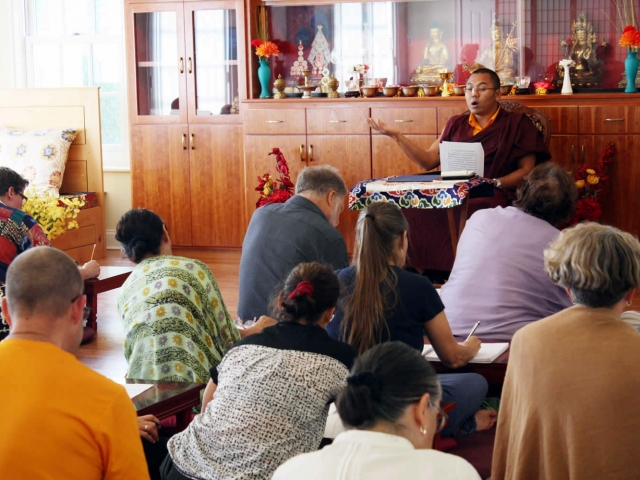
column 42, row 282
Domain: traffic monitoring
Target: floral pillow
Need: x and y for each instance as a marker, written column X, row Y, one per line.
column 40, row 156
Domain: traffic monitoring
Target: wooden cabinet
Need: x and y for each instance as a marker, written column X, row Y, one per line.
column 160, row 173
column 186, row 70
column 307, row 137
column 387, row 158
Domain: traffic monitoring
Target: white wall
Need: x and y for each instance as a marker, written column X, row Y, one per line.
column 6, row 45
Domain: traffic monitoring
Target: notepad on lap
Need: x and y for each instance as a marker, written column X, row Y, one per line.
column 487, row 354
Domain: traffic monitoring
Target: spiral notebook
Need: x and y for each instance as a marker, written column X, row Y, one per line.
column 487, row 354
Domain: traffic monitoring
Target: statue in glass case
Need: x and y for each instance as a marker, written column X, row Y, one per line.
column 499, row 55
column 436, row 59
column 588, row 68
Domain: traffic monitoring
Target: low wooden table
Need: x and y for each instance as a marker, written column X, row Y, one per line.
column 165, row 399
column 109, row 279
column 494, row 372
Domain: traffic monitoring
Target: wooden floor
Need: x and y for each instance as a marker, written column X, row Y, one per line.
column 105, row 352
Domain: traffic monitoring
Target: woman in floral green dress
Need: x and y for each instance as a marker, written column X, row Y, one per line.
column 175, row 321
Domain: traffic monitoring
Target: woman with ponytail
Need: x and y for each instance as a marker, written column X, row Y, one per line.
column 390, row 409
column 175, row 322
column 382, row 302
column 268, row 399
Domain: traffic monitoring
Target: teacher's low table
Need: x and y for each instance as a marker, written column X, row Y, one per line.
column 435, row 194
column 110, row 278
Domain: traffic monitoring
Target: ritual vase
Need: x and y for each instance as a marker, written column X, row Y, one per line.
column 264, row 75
column 631, row 67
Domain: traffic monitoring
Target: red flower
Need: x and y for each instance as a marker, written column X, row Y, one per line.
column 628, row 28
column 256, row 43
column 278, row 193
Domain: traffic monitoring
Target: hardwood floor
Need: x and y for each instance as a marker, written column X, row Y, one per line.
column 105, row 352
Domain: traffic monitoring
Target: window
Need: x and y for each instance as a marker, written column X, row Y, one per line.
column 73, row 43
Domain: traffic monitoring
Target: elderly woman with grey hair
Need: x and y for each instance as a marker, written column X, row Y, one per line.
column 569, row 405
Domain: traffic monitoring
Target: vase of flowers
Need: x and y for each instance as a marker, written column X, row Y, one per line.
column 631, row 39
column 590, row 185
column 270, row 190
column 54, row 214
column 264, row 50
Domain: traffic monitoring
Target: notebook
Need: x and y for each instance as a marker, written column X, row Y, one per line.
column 424, row 177
column 487, row 354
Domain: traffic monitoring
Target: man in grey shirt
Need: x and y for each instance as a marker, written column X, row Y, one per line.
column 282, row 235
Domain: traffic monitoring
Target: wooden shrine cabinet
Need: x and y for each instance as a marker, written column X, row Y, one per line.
column 336, row 132
column 186, row 74
column 308, row 135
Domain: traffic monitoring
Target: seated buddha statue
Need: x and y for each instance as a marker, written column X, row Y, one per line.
column 587, row 69
column 436, row 59
column 499, row 55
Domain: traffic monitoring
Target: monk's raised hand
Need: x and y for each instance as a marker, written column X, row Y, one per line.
column 381, row 127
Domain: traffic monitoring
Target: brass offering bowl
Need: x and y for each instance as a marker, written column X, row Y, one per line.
column 390, row 91
column 370, row 90
column 410, row 90
column 431, row 90
column 459, row 89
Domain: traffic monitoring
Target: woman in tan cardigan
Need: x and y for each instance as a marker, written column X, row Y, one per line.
column 569, row 407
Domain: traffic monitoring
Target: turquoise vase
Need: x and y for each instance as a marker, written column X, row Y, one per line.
column 264, row 75
column 631, row 67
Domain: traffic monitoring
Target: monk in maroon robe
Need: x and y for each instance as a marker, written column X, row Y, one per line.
column 512, row 147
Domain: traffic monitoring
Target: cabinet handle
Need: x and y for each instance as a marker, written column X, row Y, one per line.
column 274, row 121
column 184, row 141
column 337, row 121
column 573, row 151
column 190, row 65
column 193, row 141
column 181, row 65
column 302, row 153
column 582, row 154
column 404, row 121
column 310, row 153
column 614, row 119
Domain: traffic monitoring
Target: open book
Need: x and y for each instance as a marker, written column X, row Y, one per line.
column 487, row 354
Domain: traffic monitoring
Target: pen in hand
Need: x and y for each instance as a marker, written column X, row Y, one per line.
column 473, row 330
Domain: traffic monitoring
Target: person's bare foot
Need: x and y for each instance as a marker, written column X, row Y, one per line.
column 485, row 419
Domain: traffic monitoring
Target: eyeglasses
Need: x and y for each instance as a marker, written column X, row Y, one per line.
column 480, row 90
column 86, row 311
column 441, row 418
column 25, row 199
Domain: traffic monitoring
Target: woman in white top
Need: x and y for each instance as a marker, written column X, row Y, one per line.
column 390, row 408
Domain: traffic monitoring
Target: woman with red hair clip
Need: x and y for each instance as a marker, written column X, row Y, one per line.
column 268, row 398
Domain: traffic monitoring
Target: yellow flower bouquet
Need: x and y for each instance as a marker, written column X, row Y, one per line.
column 54, row 214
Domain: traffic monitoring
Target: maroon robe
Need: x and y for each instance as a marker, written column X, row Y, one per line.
column 506, row 141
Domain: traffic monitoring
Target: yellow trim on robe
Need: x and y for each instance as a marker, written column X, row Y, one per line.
column 474, row 123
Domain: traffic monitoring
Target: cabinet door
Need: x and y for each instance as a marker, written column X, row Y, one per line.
column 215, row 64
column 562, row 119
column 160, row 176
column 388, row 159
column 620, row 201
column 351, row 154
column 417, row 121
column 217, row 179
column 156, row 63
column 565, row 150
column 609, row 119
column 257, row 161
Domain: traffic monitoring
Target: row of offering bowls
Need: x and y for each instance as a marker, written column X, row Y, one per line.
column 409, row 90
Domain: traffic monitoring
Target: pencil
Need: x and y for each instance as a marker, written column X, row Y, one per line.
column 93, row 251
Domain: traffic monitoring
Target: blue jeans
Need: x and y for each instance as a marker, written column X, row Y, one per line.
column 468, row 391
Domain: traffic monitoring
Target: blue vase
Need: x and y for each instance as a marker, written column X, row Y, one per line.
column 631, row 67
column 264, row 75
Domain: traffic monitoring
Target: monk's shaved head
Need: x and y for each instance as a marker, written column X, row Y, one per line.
column 42, row 282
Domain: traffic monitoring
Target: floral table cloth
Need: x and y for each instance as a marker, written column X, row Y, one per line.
column 435, row 194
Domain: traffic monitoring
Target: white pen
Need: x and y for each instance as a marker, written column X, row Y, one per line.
column 473, row 330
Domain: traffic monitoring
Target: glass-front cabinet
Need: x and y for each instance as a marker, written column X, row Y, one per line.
column 414, row 42
column 186, row 62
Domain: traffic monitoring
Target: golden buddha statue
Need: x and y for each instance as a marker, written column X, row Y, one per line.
column 499, row 55
column 436, row 59
column 587, row 69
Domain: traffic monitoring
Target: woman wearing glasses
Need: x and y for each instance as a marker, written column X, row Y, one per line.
column 390, row 409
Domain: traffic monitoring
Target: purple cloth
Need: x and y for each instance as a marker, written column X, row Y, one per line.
column 498, row 276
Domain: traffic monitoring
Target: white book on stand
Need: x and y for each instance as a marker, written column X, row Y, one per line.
column 487, row 354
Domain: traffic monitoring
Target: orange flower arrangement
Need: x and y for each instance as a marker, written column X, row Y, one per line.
column 630, row 38
column 265, row 49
